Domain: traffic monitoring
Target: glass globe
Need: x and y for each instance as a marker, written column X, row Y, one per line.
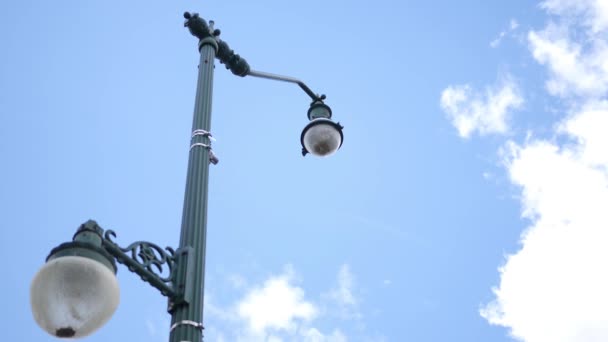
column 322, row 137
column 73, row 296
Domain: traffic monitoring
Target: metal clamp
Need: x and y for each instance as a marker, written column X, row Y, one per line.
column 187, row 322
column 201, row 145
column 201, row 132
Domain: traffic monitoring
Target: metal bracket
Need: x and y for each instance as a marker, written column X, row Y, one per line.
column 182, row 282
column 201, row 132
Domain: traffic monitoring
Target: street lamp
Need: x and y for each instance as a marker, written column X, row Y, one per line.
column 76, row 291
column 321, row 136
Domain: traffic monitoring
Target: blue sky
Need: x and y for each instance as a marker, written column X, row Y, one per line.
column 466, row 203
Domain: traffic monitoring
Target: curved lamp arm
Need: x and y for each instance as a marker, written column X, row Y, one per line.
column 302, row 85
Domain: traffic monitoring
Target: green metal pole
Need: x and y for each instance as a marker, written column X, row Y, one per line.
column 187, row 317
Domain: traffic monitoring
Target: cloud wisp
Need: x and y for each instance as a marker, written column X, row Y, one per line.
column 342, row 297
column 485, row 112
column 513, row 25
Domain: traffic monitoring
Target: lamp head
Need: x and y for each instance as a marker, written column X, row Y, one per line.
column 76, row 291
column 321, row 137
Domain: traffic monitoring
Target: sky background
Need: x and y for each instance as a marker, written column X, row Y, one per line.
column 467, row 202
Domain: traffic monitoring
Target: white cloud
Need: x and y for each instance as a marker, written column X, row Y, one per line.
column 486, row 112
column 578, row 66
column 592, row 14
column 277, row 304
column 554, row 288
column 589, row 130
column 279, row 310
column 574, row 71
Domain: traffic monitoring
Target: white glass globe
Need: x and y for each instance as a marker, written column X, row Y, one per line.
column 321, row 137
column 73, row 296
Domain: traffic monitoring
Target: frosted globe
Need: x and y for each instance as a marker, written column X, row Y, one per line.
column 73, row 296
column 321, row 137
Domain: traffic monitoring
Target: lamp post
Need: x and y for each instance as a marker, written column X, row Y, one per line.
column 76, row 291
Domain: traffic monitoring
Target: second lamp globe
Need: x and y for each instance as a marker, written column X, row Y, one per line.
column 321, row 137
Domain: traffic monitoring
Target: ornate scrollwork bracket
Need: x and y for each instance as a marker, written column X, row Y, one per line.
column 148, row 260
